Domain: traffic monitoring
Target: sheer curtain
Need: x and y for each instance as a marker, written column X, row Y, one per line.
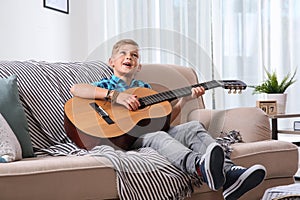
column 168, row 31
column 232, row 39
column 253, row 35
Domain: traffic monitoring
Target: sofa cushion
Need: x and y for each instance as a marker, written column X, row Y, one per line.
column 62, row 177
column 10, row 149
column 13, row 112
column 139, row 174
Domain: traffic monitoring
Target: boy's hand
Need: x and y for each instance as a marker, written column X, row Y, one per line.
column 197, row 92
column 130, row 101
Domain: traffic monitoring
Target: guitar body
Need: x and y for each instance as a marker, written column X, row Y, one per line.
column 87, row 128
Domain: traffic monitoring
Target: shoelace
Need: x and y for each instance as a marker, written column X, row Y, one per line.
column 234, row 168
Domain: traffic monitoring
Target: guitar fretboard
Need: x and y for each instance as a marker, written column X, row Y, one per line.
column 175, row 94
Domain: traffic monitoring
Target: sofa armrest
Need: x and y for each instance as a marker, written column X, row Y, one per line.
column 267, row 153
column 252, row 122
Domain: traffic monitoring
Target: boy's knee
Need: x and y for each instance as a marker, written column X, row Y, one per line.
column 160, row 135
column 196, row 125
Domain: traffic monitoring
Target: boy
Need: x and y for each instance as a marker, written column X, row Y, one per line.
column 187, row 146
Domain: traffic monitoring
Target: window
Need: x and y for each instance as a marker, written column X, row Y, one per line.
column 235, row 39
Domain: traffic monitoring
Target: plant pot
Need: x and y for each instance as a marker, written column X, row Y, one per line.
column 280, row 101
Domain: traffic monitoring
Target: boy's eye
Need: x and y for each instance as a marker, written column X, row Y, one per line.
column 135, row 55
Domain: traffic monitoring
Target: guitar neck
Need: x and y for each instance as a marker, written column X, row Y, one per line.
column 175, row 94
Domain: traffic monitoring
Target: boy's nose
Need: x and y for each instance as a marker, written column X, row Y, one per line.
column 128, row 57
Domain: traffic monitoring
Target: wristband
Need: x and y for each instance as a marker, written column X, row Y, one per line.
column 114, row 96
column 107, row 97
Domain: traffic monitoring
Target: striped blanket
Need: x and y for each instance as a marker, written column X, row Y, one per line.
column 44, row 89
column 154, row 177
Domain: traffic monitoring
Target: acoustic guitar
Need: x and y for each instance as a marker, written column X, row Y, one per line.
column 90, row 122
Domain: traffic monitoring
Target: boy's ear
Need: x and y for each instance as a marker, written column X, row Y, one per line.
column 139, row 67
column 111, row 62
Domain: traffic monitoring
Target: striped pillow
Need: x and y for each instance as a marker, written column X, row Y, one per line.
column 10, row 149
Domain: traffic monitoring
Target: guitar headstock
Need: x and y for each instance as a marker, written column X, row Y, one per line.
column 233, row 86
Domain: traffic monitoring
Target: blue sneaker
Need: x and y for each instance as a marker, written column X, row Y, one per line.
column 240, row 180
column 210, row 167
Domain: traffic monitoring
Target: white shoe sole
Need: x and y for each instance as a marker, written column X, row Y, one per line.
column 214, row 166
column 252, row 177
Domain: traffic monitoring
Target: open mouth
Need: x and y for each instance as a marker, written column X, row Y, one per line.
column 128, row 64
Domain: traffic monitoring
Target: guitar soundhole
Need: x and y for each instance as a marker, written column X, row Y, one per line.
column 144, row 122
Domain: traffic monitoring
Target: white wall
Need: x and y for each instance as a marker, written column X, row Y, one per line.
column 30, row 31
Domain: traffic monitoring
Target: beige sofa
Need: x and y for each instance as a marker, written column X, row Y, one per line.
column 87, row 177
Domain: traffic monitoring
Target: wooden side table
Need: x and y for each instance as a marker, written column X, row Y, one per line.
column 274, row 123
column 275, row 130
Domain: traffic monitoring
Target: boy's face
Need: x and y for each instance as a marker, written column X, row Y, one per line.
column 125, row 61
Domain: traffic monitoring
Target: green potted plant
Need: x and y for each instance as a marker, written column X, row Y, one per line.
column 275, row 89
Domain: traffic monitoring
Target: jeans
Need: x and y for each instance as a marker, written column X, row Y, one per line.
column 182, row 145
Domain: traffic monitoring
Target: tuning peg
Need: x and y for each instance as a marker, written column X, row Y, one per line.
column 240, row 91
column 229, row 91
column 234, row 91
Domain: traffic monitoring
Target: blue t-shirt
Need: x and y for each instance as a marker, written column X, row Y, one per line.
column 115, row 83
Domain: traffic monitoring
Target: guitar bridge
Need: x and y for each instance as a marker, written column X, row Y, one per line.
column 102, row 113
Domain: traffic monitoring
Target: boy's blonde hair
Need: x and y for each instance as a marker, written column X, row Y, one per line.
column 120, row 43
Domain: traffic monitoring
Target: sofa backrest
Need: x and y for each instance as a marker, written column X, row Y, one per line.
column 44, row 89
column 164, row 77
